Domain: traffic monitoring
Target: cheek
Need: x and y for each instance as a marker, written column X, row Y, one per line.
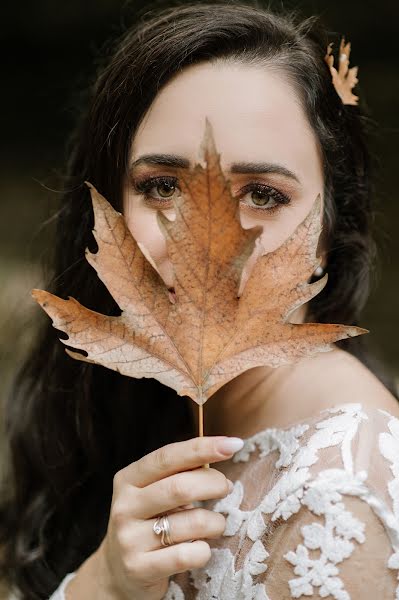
column 143, row 225
column 279, row 226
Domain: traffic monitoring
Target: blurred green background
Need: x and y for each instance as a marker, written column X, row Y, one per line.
column 52, row 48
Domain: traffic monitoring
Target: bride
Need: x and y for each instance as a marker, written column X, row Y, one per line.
column 105, row 496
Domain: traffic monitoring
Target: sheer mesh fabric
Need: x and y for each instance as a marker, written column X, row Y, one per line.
column 314, row 513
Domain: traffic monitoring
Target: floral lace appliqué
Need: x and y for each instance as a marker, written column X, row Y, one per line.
column 286, row 442
column 219, row 580
column 389, row 448
column 332, row 538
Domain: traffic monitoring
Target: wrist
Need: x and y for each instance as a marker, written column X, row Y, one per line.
column 106, row 585
column 93, row 580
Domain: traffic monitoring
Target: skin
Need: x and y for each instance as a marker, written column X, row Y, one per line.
column 255, row 117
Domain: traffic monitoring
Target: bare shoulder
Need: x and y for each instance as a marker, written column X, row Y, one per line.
column 338, row 377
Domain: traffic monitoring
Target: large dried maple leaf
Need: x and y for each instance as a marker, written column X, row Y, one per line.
column 205, row 334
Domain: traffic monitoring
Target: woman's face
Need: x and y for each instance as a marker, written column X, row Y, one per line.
column 256, row 120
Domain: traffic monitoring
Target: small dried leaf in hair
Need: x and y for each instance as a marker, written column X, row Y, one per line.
column 212, row 327
column 344, row 79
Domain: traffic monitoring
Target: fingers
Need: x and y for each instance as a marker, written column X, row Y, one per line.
column 185, row 526
column 179, row 489
column 188, row 525
column 183, row 507
column 168, row 480
column 176, row 457
column 149, row 567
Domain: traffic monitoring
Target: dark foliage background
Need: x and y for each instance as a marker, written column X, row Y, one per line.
column 50, row 51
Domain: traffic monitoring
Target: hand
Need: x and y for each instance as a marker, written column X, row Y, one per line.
column 166, row 480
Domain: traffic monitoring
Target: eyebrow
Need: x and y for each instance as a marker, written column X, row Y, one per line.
column 171, row 160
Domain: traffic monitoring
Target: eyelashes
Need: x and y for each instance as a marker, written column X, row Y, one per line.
column 270, row 200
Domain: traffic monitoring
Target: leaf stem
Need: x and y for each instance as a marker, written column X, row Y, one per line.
column 201, row 425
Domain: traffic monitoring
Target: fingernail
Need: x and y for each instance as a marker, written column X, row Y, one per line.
column 230, row 445
column 231, row 485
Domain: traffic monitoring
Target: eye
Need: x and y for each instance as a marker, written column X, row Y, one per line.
column 165, row 186
column 263, row 197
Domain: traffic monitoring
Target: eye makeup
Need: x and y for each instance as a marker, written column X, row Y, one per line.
column 268, row 199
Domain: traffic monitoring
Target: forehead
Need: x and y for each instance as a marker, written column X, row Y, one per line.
column 253, row 110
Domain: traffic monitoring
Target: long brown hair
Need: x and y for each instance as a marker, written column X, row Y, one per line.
column 70, row 426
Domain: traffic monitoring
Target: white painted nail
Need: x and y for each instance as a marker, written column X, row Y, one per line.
column 230, row 445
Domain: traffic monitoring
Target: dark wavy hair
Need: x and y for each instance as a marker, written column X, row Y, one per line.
column 69, row 425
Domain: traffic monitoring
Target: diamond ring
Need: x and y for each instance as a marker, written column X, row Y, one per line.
column 162, row 527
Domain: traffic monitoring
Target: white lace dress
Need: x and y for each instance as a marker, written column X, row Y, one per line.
column 314, row 513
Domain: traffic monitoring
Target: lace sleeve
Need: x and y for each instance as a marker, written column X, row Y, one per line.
column 59, row 593
column 342, row 539
column 314, row 513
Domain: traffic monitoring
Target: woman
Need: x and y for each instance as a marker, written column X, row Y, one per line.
column 96, row 458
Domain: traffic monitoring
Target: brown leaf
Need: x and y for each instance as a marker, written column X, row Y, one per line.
column 205, row 334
